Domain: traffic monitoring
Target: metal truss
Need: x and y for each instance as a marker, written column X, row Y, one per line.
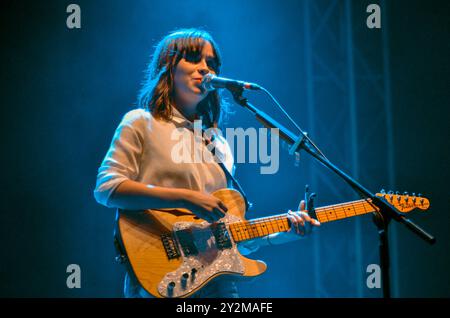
column 350, row 127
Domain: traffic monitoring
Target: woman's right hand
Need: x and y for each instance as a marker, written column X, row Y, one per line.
column 204, row 205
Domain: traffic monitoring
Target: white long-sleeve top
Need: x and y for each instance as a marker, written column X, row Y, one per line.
column 143, row 149
column 149, row 151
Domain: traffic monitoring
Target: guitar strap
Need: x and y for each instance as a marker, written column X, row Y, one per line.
column 228, row 175
column 121, row 255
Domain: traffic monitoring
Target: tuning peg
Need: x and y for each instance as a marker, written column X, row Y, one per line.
column 421, row 201
column 391, row 195
column 414, row 199
column 406, row 196
column 397, row 193
column 419, row 195
column 383, row 191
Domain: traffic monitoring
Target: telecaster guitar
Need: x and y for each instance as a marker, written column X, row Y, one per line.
column 173, row 253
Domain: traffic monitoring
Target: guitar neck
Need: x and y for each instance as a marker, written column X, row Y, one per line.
column 250, row 229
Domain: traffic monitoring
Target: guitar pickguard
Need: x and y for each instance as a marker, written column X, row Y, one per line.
column 204, row 258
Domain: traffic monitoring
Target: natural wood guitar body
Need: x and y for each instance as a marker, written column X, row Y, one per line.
column 141, row 233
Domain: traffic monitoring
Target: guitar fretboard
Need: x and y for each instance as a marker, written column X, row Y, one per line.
column 260, row 227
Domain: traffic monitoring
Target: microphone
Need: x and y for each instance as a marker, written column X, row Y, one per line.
column 210, row 82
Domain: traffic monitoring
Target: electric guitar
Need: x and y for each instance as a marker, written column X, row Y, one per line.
column 173, row 253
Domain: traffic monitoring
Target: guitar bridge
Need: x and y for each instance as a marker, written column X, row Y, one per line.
column 170, row 246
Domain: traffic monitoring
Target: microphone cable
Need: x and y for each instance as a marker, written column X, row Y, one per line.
column 293, row 122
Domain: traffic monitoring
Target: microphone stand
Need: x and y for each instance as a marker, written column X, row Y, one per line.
column 385, row 212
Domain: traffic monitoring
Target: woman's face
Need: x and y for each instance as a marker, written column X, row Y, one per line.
column 188, row 78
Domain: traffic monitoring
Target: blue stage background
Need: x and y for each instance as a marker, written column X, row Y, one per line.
column 376, row 103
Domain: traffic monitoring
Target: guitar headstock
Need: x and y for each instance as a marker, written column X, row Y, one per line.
column 404, row 202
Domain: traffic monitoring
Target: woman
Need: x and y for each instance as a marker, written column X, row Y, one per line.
column 139, row 171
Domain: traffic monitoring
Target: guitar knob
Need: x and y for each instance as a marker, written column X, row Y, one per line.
column 184, row 279
column 193, row 272
column 170, row 288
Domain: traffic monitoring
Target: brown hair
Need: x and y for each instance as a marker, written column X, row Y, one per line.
column 156, row 93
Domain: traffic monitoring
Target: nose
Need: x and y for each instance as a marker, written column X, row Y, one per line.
column 203, row 68
column 203, row 71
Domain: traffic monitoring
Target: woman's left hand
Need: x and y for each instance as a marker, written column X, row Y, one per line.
column 301, row 223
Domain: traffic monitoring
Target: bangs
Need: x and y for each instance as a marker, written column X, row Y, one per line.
column 190, row 43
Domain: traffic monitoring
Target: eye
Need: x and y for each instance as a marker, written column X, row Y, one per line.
column 196, row 57
column 212, row 64
column 193, row 57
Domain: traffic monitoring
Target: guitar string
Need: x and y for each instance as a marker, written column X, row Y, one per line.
column 246, row 225
column 251, row 228
column 356, row 207
column 337, row 211
column 359, row 208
